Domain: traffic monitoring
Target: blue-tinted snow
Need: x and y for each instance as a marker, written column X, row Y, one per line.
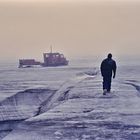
column 76, row 108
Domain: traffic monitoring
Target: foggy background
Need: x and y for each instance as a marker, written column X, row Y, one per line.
column 75, row 28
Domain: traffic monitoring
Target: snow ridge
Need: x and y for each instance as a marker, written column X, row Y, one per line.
column 21, row 106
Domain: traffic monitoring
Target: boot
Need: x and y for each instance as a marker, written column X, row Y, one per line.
column 104, row 91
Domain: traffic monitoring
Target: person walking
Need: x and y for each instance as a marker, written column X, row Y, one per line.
column 108, row 66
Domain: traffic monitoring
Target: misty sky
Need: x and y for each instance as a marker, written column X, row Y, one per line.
column 75, row 28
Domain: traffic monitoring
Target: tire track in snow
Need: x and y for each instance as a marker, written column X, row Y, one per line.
column 137, row 87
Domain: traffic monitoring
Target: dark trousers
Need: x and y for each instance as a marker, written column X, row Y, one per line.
column 107, row 83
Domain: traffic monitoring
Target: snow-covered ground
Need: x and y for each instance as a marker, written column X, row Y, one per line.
column 75, row 109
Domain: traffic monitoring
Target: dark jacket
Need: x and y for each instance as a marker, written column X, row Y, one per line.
column 107, row 66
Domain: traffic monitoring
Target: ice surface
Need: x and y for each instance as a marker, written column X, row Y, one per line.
column 21, row 106
column 76, row 109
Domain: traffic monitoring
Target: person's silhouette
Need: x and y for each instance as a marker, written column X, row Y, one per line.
column 107, row 66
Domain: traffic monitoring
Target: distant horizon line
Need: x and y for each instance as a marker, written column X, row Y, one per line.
column 116, row 56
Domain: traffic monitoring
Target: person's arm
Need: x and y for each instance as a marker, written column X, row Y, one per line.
column 114, row 69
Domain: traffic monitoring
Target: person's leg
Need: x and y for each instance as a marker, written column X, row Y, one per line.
column 105, row 85
column 108, row 84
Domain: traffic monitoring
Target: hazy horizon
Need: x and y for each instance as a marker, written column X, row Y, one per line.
column 75, row 28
